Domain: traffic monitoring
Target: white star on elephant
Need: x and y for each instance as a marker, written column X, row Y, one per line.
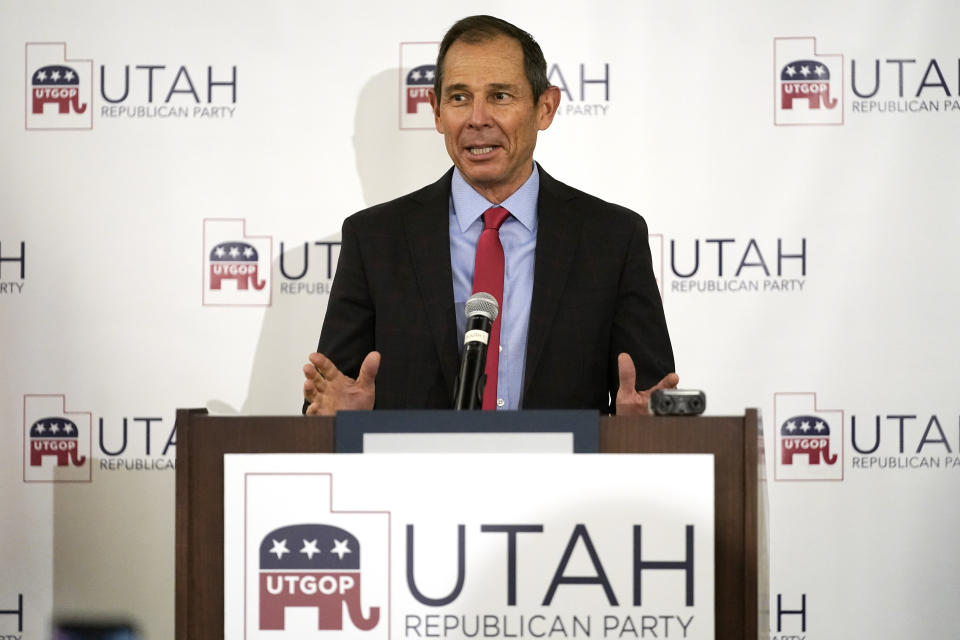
column 280, row 548
column 340, row 548
column 310, row 548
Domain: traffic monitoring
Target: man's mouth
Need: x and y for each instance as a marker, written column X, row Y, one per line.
column 480, row 151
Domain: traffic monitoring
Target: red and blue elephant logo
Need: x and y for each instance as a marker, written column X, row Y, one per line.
column 419, row 82
column 806, row 435
column 55, row 437
column 235, row 261
column 312, row 565
column 806, row 80
column 57, row 84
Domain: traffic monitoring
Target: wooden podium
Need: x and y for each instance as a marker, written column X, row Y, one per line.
column 202, row 440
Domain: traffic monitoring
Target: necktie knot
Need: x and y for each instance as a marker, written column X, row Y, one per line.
column 494, row 217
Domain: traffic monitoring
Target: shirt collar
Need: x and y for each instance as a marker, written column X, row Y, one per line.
column 468, row 205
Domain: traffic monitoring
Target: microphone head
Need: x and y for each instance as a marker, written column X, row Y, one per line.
column 482, row 304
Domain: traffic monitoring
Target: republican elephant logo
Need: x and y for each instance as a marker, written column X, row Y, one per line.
column 57, row 84
column 312, row 565
column 235, row 261
column 806, row 80
column 419, row 82
column 806, row 435
column 56, row 437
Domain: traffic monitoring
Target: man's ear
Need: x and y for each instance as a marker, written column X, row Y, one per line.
column 547, row 107
column 435, row 105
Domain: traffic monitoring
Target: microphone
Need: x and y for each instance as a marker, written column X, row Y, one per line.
column 481, row 311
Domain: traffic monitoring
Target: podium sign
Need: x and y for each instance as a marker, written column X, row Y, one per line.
column 468, row 545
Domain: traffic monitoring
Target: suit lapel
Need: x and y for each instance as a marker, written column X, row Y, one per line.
column 428, row 237
column 558, row 231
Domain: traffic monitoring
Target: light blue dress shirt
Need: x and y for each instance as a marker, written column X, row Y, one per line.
column 518, row 235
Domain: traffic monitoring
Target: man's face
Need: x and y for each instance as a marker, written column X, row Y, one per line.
column 488, row 117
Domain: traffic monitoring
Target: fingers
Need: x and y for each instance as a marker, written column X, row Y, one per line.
column 310, row 372
column 670, row 381
column 327, row 390
column 369, row 369
column 312, row 389
column 318, row 409
column 313, row 377
column 626, row 371
column 315, row 383
column 324, row 366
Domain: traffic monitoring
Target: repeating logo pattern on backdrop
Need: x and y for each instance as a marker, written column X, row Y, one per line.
column 585, row 86
column 64, row 446
column 729, row 264
column 417, row 71
column 312, row 565
column 308, row 268
column 418, row 84
column 790, row 622
column 15, row 621
column 236, row 267
column 237, row 261
column 59, row 91
column 808, row 84
column 57, row 437
column 806, row 436
column 809, row 440
column 57, row 442
column 13, row 267
column 806, row 80
column 809, row 87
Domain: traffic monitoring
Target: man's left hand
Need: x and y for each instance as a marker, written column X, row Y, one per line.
column 631, row 402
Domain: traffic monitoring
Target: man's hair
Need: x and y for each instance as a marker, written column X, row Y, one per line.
column 475, row 29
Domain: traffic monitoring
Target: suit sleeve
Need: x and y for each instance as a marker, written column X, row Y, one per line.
column 639, row 326
column 347, row 335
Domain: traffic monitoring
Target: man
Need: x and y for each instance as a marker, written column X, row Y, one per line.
column 580, row 306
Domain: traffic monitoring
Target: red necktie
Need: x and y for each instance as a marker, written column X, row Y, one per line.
column 488, row 276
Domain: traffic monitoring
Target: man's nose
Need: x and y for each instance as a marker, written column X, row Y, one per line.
column 479, row 115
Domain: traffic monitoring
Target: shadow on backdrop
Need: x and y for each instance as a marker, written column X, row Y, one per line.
column 390, row 162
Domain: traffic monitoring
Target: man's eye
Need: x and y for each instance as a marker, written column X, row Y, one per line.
column 500, row 95
column 458, row 97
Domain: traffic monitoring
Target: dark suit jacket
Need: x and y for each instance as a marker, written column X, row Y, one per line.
column 594, row 296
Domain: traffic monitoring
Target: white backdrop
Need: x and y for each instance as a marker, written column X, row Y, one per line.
column 110, row 212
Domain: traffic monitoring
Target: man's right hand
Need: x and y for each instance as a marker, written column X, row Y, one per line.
column 327, row 390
